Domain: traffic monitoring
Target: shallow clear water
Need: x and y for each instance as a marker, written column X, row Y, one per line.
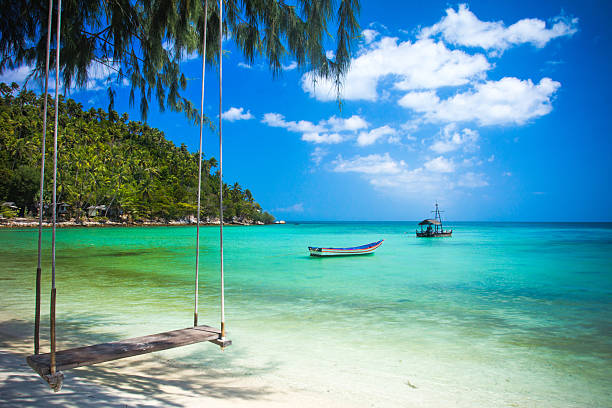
column 499, row 314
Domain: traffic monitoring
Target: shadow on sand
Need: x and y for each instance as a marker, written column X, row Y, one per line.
column 201, row 372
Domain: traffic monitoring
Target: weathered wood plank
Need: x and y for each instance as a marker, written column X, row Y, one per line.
column 99, row 353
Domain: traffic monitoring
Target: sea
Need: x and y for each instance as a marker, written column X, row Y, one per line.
column 498, row 315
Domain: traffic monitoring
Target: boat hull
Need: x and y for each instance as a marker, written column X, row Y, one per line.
column 434, row 234
column 353, row 251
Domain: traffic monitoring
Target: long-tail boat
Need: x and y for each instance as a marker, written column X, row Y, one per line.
column 434, row 227
column 358, row 250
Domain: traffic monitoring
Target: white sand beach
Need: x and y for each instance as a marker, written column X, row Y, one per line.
column 145, row 381
column 165, row 379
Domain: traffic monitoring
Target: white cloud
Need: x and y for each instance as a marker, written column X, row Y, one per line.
column 491, row 158
column 451, row 139
column 473, row 161
column 333, row 130
column 328, row 138
column 354, row 123
column 369, row 35
column 17, row 75
column 507, row 101
column 371, row 164
column 330, row 131
column 416, row 181
column 462, row 27
column 245, row 66
column 394, row 139
column 185, row 56
column 299, row 207
column 385, row 173
column 422, row 101
column 100, row 76
column 234, row 114
column 292, row 65
column 368, row 138
column 318, row 154
column 303, row 126
column 440, row 165
column 274, row 120
column 507, row 174
column 424, row 64
column 472, row 180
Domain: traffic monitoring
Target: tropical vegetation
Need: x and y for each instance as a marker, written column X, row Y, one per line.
column 123, row 169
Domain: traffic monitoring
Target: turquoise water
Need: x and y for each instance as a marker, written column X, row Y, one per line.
column 499, row 314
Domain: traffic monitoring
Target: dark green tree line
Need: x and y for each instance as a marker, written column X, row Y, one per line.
column 104, row 159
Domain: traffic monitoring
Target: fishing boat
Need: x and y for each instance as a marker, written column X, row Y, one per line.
column 434, row 227
column 358, row 250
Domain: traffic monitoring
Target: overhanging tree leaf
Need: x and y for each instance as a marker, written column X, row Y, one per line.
column 145, row 41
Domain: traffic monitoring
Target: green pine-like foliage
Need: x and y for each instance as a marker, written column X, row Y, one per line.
column 144, row 41
column 106, row 159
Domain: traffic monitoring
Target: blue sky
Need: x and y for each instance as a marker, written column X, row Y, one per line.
column 497, row 110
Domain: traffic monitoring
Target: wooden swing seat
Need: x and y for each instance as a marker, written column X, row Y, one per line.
column 100, row 353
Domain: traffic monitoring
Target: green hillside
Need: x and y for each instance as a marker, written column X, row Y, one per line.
column 127, row 169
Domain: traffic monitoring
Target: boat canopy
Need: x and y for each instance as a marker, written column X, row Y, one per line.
column 429, row 222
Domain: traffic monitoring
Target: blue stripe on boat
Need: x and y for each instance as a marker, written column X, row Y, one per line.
column 365, row 246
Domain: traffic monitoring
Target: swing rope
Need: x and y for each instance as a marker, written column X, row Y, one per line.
column 195, row 312
column 221, row 165
column 42, row 184
column 55, row 132
column 46, row 364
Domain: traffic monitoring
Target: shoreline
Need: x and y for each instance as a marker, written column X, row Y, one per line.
column 33, row 223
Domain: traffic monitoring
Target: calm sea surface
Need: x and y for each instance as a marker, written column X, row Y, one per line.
column 499, row 314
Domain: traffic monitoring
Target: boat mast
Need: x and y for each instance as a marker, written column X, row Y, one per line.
column 439, row 218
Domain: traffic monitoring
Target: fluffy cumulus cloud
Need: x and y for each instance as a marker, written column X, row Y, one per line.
column 18, row 75
column 99, row 76
column 331, row 131
column 369, row 35
column 440, row 165
column 234, row 114
column 386, row 173
column 462, row 27
column 316, row 137
column 352, row 124
column 368, row 138
column 371, row 164
column 302, row 126
column 415, row 181
column 291, row 66
column 504, row 102
column 451, row 138
column 384, row 66
column 440, row 77
column 424, row 64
